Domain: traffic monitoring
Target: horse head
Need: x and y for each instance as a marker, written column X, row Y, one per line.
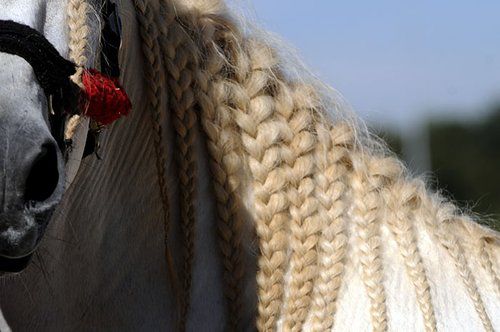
column 32, row 166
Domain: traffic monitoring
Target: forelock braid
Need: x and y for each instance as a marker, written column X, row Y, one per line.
column 78, row 11
column 180, row 61
column 77, row 17
column 332, row 158
column 401, row 201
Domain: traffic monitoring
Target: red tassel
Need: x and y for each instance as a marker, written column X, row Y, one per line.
column 103, row 100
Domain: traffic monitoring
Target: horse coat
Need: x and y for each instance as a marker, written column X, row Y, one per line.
column 314, row 225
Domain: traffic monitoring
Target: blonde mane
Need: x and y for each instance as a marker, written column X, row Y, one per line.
column 308, row 178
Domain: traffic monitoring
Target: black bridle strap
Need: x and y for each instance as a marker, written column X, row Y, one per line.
column 51, row 69
column 110, row 39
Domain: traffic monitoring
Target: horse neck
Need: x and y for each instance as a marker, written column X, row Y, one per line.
column 113, row 213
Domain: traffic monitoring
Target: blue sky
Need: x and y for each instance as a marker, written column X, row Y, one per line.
column 397, row 62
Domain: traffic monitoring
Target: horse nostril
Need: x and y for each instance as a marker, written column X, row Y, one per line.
column 44, row 175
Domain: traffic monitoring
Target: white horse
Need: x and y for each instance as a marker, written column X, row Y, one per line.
column 102, row 264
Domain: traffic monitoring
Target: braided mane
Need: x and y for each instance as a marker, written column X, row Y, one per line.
column 319, row 192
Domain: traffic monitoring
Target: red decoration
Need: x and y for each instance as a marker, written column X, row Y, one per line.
column 103, row 100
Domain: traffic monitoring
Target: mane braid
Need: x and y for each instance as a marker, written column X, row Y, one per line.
column 332, row 156
column 445, row 213
column 366, row 216
column 264, row 137
column 401, row 200
column 180, row 64
column 456, row 252
column 304, row 221
column 155, row 80
column 214, row 97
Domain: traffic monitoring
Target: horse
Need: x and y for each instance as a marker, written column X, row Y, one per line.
column 234, row 196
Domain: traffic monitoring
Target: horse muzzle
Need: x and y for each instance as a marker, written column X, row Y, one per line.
column 33, row 187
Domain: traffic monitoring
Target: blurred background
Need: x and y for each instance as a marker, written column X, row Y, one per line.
column 424, row 75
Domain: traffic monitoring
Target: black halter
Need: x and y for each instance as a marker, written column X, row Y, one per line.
column 53, row 71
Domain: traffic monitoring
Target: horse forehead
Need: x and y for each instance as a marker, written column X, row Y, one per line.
column 46, row 16
column 29, row 12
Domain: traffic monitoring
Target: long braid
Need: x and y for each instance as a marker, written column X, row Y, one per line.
column 305, row 222
column 332, row 160
column 366, row 217
column 437, row 215
column 456, row 252
column 400, row 200
column 156, row 79
column 264, row 135
column 214, row 97
column 367, row 179
column 179, row 56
